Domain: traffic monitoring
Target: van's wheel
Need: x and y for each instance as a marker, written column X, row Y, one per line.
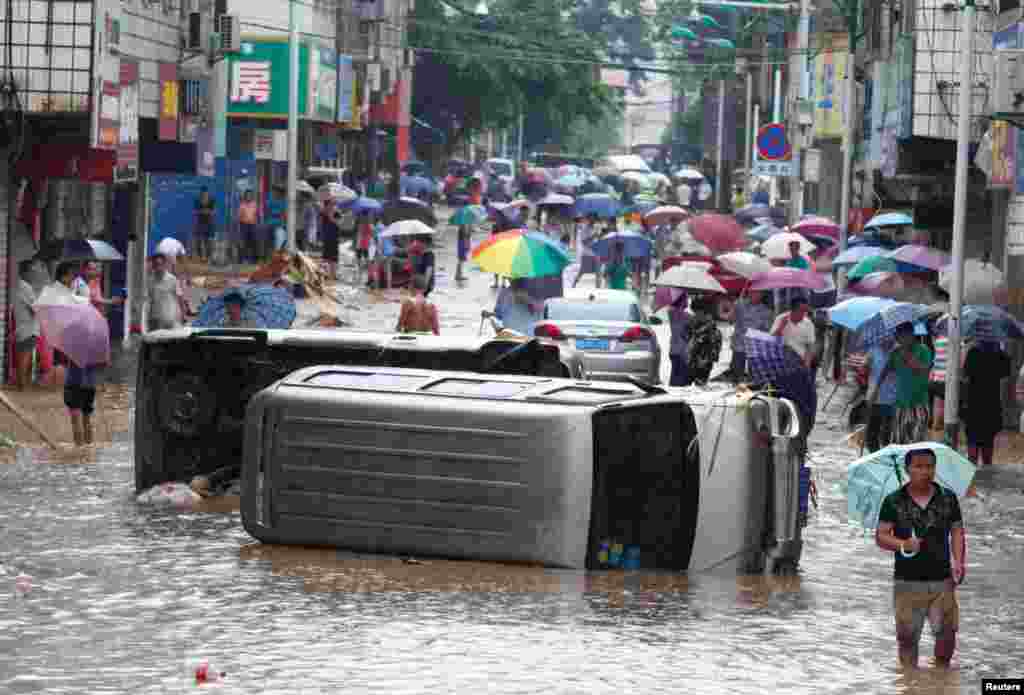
column 725, row 309
column 186, row 405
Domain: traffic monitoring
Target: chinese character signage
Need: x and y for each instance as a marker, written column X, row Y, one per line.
column 904, row 86
column 258, row 76
column 829, row 76
column 323, row 83
column 348, row 107
column 167, row 73
column 108, row 127
column 126, row 169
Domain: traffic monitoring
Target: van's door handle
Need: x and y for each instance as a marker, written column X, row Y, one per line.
column 257, row 336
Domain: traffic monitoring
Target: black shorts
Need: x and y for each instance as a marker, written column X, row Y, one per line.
column 80, row 398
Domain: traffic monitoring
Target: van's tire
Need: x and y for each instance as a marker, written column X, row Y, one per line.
column 186, row 405
column 725, row 309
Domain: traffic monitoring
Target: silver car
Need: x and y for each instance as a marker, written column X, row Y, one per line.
column 609, row 328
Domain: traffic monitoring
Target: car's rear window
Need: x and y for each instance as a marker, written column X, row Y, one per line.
column 591, row 310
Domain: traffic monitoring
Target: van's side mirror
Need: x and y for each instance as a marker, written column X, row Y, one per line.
column 654, row 320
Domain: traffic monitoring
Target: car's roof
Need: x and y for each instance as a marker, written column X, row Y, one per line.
column 580, row 294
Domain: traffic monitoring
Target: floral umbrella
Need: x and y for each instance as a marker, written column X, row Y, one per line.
column 72, row 325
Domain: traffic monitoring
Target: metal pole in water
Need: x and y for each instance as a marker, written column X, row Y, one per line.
column 293, row 122
column 956, row 290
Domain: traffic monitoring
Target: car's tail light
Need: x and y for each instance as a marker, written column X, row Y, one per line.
column 548, row 330
column 636, row 333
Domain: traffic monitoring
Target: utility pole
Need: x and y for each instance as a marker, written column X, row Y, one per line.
column 776, row 118
column 956, row 290
column 749, row 124
column 522, row 120
column 293, row 122
column 803, row 46
column 720, row 168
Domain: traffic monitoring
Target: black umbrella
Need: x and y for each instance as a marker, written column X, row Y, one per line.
column 79, row 250
column 406, row 208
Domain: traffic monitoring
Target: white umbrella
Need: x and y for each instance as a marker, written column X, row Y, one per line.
column 981, row 281
column 637, row 176
column 689, row 277
column 689, row 173
column 744, row 263
column 408, row 228
column 171, row 247
column 304, row 187
column 659, row 178
column 336, row 191
column 777, row 245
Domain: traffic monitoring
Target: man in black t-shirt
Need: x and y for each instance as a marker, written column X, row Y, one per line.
column 922, row 524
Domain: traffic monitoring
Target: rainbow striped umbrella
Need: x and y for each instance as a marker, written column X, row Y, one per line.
column 521, row 254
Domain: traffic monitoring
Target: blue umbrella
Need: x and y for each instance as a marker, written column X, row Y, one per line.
column 598, row 204
column 763, row 232
column 415, row 185
column 771, row 361
column 752, row 213
column 854, row 313
column 984, row 322
column 264, row 305
column 871, row 478
column 890, row 219
column 853, row 256
column 362, row 204
column 635, row 244
column 882, row 327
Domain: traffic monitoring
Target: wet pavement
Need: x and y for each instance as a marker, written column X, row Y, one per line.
column 125, row 598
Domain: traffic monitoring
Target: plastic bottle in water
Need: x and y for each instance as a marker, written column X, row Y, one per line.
column 602, row 554
column 615, row 556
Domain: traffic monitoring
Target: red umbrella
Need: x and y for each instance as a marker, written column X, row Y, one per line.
column 720, row 233
column 816, row 226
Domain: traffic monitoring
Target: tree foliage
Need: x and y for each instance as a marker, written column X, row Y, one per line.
column 539, row 57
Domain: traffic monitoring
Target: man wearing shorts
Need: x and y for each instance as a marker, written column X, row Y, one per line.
column 80, row 399
column 922, row 525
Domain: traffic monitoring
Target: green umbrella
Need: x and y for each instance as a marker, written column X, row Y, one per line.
column 679, row 32
column 468, row 215
column 872, row 264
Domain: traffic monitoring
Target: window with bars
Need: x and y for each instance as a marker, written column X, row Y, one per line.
column 47, row 51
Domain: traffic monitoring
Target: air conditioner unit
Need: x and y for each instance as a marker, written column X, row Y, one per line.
column 194, row 31
column 229, row 28
column 1008, row 87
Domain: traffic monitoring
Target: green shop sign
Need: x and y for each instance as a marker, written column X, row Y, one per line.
column 259, row 79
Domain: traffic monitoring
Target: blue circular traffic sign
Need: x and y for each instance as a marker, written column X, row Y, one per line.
column 772, row 143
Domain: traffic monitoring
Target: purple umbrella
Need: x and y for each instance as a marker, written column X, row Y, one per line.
column 922, row 256
column 785, row 278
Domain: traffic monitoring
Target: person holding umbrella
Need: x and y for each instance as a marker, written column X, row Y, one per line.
column 584, row 252
column 234, row 303
column 752, row 311
column 330, row 234
column 422, row 260
column 795, row 260
column 679, row 344
column 705, row 343
column 616, row 270
column 922, row 526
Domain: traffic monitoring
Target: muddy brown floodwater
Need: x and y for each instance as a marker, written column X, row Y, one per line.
column 125, row 598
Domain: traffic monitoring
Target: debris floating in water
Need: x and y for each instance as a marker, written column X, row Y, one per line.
column 177, row 495
column 23, row 584
column 206, row 674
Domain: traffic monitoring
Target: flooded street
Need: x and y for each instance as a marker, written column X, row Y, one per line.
column 125, row 598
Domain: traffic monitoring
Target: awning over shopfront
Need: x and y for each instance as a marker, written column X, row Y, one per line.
column 67, row 161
